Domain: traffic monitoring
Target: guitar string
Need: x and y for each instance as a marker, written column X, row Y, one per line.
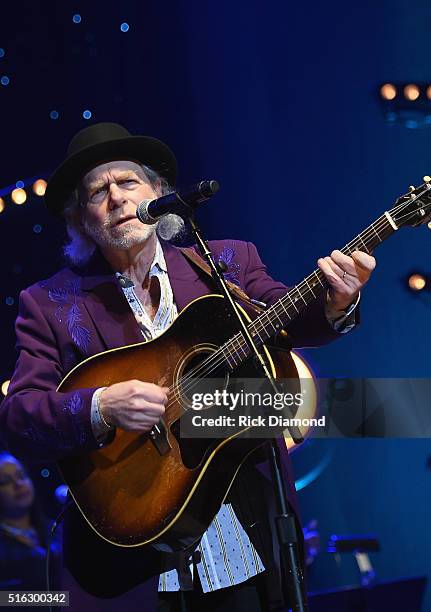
column 382, row 222
column 299, row 288
column 219, row 358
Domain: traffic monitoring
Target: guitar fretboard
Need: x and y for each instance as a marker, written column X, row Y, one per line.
column 290, row 306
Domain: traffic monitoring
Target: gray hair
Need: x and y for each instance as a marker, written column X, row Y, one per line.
column 79, row 248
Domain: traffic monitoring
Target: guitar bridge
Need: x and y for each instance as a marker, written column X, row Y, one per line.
column 159, row 437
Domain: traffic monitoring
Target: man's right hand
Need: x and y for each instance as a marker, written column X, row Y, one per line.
column 133, row 405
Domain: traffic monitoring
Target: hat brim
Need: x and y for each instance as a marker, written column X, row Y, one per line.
column 143, row 149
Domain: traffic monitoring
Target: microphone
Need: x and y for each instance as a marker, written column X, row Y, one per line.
column 179, row 202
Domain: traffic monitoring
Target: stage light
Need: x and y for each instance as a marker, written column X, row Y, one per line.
column 2, row 205
column 39, row 187
column 406, row 103
column 2, row 52
column 5, row 80
column 5, row 387
column 54, row 114
column 388, row 91
column 19, row 184
column 411, row 92
column 18, row 196
column 77, row 18
column 412, row 124
column 9, row 301
column 124, row 27
column 417, row 282
column 37, row 228
column 86, row 114
column 61, row 493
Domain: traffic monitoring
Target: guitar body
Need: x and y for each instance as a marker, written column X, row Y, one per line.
column 166, row 491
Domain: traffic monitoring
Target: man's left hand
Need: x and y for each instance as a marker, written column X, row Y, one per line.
column 346, row 276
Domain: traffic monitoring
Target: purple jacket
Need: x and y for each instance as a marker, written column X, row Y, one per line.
column 75, row 314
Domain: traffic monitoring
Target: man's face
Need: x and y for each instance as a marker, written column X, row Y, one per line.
column 110, row 194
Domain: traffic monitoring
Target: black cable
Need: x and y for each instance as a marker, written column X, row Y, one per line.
column 52, row 531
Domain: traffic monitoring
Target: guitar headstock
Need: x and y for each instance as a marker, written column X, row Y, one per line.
column 414, row 207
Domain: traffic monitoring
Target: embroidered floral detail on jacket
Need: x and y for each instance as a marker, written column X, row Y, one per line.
column 34, row 435
column 69, row 311
column 53, row 438
column 73, row 405
column 226, row 256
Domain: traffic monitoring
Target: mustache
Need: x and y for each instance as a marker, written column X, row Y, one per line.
column 168, row 227
column 112, row 219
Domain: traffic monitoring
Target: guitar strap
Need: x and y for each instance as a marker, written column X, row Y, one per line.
column 282, row 340
column 234, row 290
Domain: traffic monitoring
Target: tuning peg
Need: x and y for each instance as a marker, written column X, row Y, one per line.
column 429, row 225
column 412, row 188
column 427, row 179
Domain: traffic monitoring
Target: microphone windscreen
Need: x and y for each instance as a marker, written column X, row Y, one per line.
column 142, row 213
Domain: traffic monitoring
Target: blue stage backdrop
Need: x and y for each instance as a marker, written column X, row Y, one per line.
column 278, row 101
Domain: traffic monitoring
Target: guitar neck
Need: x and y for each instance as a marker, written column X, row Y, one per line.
column 287, row 308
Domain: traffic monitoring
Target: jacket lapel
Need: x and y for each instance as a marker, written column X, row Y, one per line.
column 107, row 306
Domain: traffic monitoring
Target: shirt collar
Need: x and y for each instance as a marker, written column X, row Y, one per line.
column 158, row 264
column 159, row 258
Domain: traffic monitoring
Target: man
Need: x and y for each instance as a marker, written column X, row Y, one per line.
column 123, row 285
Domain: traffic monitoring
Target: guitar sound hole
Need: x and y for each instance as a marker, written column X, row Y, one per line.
column 202, row 371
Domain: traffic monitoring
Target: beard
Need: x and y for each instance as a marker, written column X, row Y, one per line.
column 123, row 237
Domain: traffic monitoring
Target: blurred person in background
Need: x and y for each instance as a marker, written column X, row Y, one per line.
column 24, row 532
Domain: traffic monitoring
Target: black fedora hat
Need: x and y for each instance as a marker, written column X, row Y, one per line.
column 103, row 142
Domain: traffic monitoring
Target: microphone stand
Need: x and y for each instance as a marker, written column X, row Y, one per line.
column 286, row 528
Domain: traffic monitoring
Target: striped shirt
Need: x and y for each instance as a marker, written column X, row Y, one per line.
column 227, row 556
column 167, row 310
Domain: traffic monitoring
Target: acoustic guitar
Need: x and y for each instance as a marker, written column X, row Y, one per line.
column 159, row 488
